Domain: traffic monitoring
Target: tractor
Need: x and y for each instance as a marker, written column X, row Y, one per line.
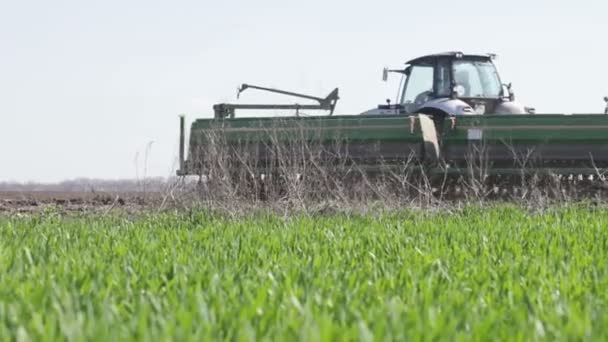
column 451, row 83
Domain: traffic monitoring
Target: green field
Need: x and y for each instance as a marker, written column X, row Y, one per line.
column 499, row 273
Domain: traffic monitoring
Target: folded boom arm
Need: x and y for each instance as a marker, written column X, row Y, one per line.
column 227, row 110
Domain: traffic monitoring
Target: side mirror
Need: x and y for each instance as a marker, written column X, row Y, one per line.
column 509, row 91
column 606, row 100
column 405, row 72
column 504, row 91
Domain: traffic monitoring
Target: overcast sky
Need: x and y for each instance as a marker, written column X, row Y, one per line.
column 85, row 86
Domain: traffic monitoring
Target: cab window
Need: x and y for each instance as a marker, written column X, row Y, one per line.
column 478, row 79
column 420, row 81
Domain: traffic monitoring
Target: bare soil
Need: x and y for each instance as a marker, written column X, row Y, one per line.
column 12, row 202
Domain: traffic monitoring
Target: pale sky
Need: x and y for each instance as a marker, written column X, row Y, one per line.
column 85, row 86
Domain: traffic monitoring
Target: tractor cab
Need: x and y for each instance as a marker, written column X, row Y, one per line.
column 451, row 83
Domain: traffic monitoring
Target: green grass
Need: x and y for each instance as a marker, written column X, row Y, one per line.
column 501, row 273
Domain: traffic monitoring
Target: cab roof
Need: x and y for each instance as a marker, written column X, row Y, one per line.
column 450, row 54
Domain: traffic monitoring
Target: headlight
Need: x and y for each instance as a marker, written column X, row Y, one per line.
column 466, row 109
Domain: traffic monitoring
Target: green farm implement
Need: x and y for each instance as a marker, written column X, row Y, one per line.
column 454, row 115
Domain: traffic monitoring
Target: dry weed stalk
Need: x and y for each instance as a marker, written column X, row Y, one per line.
column 294, row 166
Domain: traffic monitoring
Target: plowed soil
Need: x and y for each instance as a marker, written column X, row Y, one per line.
column 12, row 202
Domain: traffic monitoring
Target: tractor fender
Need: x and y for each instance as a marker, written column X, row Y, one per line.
column 510, row 107
column 444, row 105
column 448, row 106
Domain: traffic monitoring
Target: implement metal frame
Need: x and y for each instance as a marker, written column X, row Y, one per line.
column 227, row 110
